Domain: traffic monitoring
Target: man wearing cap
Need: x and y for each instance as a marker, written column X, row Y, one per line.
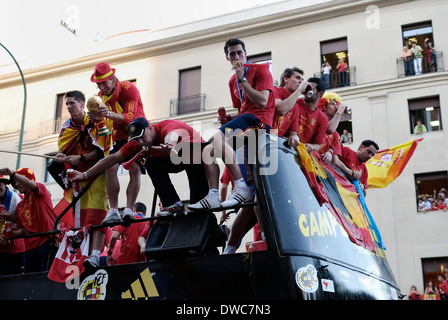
column 166, row 141
column 12, row 254
column 123, row 104
column 33, row 214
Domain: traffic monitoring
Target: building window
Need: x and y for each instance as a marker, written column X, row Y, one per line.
column 425, row 115
column 431, row 189
column 334, row 54
column 262, row 58
column 345, row 129
column 432, row 269
column 190, row 98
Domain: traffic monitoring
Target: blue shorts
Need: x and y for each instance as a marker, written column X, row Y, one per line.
column 244, row 122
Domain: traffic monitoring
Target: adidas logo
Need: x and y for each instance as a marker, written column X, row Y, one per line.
column 142, row 288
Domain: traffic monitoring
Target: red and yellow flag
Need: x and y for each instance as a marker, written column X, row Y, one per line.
column 341, row 198
column 388, row 164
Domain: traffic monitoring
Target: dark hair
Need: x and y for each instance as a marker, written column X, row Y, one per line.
column 320, row 86
column 368, row 143
column 288, row 73
column 140, row 207
column 233, row 42
column 78, row 95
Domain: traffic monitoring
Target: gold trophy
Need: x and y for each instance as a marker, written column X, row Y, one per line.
column 93, row 105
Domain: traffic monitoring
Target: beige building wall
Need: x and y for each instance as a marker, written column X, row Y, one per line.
column 292, row 34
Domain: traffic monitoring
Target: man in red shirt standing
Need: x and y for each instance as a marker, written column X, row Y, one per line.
column 352, row 163
column 33, row 214
column 123, row 104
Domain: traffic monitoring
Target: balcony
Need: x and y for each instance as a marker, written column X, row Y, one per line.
column 187, row 105
column 51, row 126
column 405, row 69
column 337, row 80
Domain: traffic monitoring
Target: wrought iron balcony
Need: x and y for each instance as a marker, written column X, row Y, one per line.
column 337, row 80
column 187, row 104
column 52, row 126
column 406, row 68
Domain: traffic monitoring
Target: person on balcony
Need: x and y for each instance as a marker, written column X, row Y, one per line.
column 408, row 58
column 418, row 56
column 431, row 55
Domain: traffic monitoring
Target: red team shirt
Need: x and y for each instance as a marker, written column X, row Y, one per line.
column 312, row 124
column 260, row 78
column 186, row 133
column 290, row 120
column 332, row 141
column 127, row 96
column 350, row 159
column 35, row 214
column 129, row 248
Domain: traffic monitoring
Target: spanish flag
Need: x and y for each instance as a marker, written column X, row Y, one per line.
column 388, row 164
column 342, row 199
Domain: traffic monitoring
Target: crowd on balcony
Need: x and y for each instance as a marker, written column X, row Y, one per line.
column 413, row 58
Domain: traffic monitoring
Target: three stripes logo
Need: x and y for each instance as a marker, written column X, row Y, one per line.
column 142, row 288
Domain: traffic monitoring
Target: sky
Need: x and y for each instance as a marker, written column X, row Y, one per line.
column 31, row 29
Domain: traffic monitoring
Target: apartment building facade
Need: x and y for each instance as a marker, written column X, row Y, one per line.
column 182, row 73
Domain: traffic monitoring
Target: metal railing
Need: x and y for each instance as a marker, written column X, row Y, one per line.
column 52, row 126
column 187, row 104
column 432, row 63
column 337, row 80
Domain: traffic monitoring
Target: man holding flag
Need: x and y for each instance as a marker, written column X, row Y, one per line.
column 352, row 163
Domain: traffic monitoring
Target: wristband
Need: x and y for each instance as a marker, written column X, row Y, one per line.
column 108, row 114
column 85, row 175
column 82, row 158
column 353, row 172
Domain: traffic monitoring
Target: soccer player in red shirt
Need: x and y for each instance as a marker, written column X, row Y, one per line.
column 122, row 105
column 286, row 123
column 251, row 88
column 331, row 106
column 352, row 163
column 33, row 214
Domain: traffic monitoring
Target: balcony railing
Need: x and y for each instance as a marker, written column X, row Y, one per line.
column 337, row 80
column 187, row 104
column 406, row 68
column 51, row 126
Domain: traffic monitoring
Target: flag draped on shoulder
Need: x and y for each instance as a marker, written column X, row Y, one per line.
column 79, row 140
column 70, row 135
column 388, row 164
column 342, row 199
column 73, row 251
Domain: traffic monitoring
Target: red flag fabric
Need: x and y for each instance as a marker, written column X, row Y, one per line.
column 69, row 216
column 73, row 250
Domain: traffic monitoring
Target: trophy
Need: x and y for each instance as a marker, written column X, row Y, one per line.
column 93, row 104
